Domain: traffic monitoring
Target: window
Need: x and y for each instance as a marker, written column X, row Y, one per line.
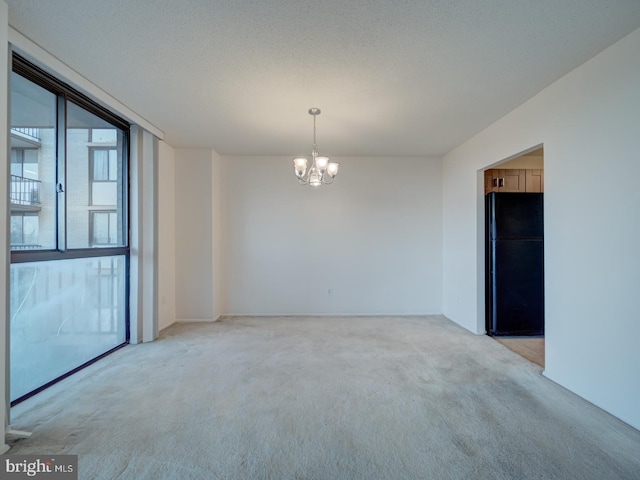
column 104, row 176
column 95, row 178
column 104, row 228
column 24, row 162
column 105, row 165
column 24, row 231
column 32, row 187
column 69, row 247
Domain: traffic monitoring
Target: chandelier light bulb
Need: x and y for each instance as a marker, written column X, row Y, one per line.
column 321, row 163
column 300, row 165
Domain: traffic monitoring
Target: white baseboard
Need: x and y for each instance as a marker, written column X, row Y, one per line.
column 196, row 320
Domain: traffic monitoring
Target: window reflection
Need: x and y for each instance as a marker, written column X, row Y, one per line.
column 63, row 313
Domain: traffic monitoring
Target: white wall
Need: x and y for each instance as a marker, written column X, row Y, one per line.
column 374, row 238
column 589, row 124
column 194, row 235
column 166, row 236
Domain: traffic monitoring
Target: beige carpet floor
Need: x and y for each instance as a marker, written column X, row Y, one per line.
column 324, row 398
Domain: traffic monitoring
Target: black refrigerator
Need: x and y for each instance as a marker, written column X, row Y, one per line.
column 515, row 263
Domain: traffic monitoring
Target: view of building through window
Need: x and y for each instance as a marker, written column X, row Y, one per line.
column 33, row 167
column 93, row 181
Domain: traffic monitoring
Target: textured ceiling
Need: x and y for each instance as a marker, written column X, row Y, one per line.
column 392, row 77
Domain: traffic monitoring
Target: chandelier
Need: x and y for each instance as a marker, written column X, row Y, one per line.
column 321, row 171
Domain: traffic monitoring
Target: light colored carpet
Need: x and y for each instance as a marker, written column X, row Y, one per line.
column 324, row 398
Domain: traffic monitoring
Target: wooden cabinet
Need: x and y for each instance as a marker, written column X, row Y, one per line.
column 513, row 180
column 505, row 180
column 489, row 181
column 534, row 181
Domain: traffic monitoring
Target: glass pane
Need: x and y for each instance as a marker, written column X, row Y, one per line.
column 30, row 163
column 103, row 135
column 105, row 228
column 30, row 227
column 100, row 165
column 100, row 228
column 113, row 165
column 63, row 314
column 95, row 156
column 113, row 227
column 16, row 230
column 33, row 163
column 16, row 161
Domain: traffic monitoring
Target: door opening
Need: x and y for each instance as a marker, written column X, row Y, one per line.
column 514, row 254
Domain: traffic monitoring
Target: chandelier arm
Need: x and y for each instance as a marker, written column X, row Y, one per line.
column 325, row 181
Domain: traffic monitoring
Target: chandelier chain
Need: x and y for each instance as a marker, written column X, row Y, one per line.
column 315, row 145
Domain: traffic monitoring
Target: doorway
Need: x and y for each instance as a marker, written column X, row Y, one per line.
column 514, row 254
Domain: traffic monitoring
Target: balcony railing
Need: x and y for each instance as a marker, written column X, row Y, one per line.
column 32, row 133
column 24, row 191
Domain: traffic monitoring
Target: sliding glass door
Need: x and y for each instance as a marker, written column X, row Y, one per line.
column 69, row 242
